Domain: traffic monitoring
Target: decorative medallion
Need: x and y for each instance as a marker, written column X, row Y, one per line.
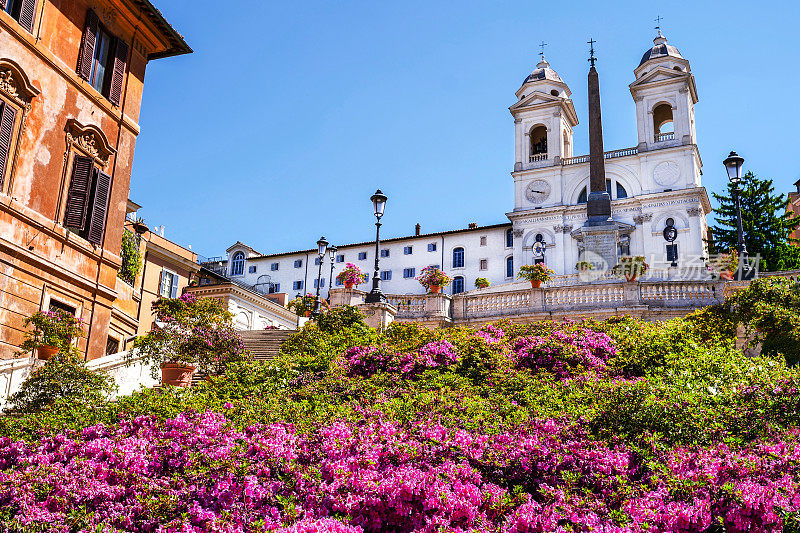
column 641, row 219
column 666, row 173
column 537, row 191
column 90, row 140
column 695, row 211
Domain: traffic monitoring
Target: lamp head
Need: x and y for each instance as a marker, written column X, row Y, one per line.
column 378, row 203
column 733, row 164
column 322, row 244
column 332, row 250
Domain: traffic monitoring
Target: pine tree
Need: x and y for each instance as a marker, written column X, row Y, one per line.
column 765, row 223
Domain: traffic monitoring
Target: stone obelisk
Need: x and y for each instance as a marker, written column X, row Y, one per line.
column 599, row 235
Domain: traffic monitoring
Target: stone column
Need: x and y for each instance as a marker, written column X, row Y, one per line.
column 536, row 299
column 341, row 297
column 436, row 305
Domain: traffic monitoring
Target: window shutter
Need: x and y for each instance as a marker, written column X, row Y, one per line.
column 118, row 75
column 78, row 195
column 27, row 13
column 87, row 47
column 161, row 282
column 7, row 116
column 97, row 222
column 174, row 292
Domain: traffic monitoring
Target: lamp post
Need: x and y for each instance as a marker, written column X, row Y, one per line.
column 332, row 249
column 378, row 205
column 322, row 245
column 733, row 164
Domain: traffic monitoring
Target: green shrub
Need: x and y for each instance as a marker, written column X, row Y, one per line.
column 131, row 259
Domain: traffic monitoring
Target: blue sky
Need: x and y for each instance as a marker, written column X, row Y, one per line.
column 289, row 115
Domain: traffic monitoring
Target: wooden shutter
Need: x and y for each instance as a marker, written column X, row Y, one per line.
column 118, row 74
column 7, row 116
column 161, row 282
column 78, row 195
column 87, row 46
column 174, row 293
column 27, row 14
column 97, row 221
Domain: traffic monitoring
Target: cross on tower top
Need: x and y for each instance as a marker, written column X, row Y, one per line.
column 592, row 59
column 658, row 20
column 541, row 52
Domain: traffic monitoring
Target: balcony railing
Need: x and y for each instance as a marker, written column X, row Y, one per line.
column 606, row 155
column 660, row 137
column 537, row 157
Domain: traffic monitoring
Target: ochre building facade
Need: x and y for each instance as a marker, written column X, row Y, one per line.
column 71, row 81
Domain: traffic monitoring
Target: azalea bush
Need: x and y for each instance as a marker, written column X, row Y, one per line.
column 55, row 328
column 537, row 272
column 431, row 276
column 617, row 425
column 351, row 274
column 191, row 331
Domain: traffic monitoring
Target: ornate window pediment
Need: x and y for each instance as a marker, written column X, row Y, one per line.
column 15, row 85
column 89, row 139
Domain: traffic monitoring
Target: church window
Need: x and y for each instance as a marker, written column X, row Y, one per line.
column 538, row 139
column 484, row 264
column 237, row 264
column 617, row 187
column 458, row 258
column 554, row 92
column 672, row 253
column 582, row 197
column 103, row 59
column 567, row 150
column 458, row 284
column 509, row 238
column 510, row 266
column 662, row 122
column 23, row 11
column 621, row 192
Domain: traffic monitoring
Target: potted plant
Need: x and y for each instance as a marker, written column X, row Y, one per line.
column 631, row 267
column 53, row 332
column 583, row 266
column 433, row 279
column 536, row 274
column 302, row 306
column 725, row 264
column 482, row 283
column 351, row 275
column 191, row 334
column 139, row 226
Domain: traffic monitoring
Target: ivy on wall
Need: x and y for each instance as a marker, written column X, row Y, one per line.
column 131, row 260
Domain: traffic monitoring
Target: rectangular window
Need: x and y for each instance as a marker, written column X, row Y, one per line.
column 274, row 288
column 385, row 252
column 362, row 256
column 407, row 250
column 297, row 286
column 251, row 269
column 386, row 275
column 672, row 253
column 409, row 272
column 483, row 240
column 484, row 264
column 169, row 284
column 103, row 59
column 432, row 247
column 510, row 238
column 23, row 11
column 274, row 267
column 340, row 258
column 55, row 305
column 87, row 200
column 112, row 345
column 319, row 283
column 436, row 266
column 298, row 263
column 317, row 261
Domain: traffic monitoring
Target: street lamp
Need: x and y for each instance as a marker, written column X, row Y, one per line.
column 733, row 164
column 378, row 205
column 332, row 249
column 322, row 245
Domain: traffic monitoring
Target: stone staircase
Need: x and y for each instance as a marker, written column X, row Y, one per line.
column 263, row 345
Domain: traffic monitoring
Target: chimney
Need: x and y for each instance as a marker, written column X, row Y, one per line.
column 473, row 225
column 418, row 229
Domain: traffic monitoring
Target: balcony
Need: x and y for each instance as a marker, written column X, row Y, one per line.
column 612, row 154
column 661, row 137
column 537, row 157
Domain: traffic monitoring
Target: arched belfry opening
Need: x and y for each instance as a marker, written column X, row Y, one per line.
column 663, row 125
column 538, row 136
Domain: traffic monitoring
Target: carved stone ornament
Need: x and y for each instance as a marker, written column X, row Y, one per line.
column 518, row 233
column 565, row 228
column 15, row 85
column 695, row 211
column 644, row 217
column 89, row 140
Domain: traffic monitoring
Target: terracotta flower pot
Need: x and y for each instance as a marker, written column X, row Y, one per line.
column 434, row 289
column 177, row 374
column 45, row 352
column 307, row 314
column 348, row 284
column 536, row 283
column 631, row 276
column 725, row 274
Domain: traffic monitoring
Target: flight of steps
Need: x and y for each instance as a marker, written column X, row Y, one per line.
column 263, row 345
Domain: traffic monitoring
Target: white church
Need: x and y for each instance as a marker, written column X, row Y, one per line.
column 652, row 185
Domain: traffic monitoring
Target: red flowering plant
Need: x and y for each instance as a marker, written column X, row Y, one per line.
column 55, row 328
column 191, row 331
column 537, row 272
column 351, row 275
column 630, row 267
column 431, row 276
